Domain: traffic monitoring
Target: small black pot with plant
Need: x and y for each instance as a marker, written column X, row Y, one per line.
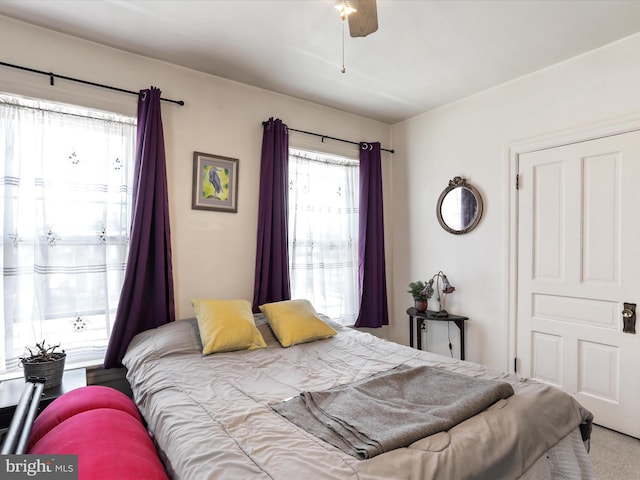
column 44, row 362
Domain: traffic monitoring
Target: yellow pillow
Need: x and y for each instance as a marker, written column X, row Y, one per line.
column 295, row 321
column 226, row 325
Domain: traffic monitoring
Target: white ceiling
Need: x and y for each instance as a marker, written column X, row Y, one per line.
column 425, row 54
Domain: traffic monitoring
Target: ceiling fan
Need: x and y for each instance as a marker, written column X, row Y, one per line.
column 363, row 19
column 362, row 15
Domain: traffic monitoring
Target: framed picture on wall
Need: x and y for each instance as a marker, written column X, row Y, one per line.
column 215, row 183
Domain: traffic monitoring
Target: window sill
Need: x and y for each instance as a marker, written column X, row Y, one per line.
column 88, row 364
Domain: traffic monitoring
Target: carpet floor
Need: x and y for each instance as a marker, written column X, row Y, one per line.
column 614, row 456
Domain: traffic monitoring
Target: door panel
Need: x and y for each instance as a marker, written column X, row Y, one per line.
column 598, row 371
column 547, row 358
column 578, row 262
column 601, row 216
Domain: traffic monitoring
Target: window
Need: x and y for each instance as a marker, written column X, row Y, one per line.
column 65, row 213
column 323, row 232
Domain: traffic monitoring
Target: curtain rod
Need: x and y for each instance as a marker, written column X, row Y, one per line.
column 52, row 76
column 327, row 136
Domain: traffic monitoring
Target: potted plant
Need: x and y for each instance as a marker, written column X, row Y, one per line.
column 43, row 361
column 421, row 293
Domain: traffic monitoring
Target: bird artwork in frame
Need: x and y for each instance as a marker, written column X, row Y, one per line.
column 215, row 183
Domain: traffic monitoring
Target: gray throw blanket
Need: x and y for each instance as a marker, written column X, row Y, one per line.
column 391, row 409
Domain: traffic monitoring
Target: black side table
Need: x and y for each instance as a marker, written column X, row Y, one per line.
column 430, row 315
column 10, row 391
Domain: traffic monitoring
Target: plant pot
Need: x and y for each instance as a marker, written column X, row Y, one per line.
column 421, row 305
column 51, row 370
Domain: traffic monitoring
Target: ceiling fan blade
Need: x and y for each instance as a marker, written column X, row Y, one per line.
column 365, row 19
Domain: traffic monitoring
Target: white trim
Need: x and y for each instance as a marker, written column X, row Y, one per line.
column 88, row 364
column 514, row 150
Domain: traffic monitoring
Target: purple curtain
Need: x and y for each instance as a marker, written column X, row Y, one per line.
column 373, row 286
column 271, row 282
column 146, row 300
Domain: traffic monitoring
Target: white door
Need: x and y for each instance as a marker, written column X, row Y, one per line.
column 578, row 262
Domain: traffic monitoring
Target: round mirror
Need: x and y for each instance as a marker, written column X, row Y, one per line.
column 459, row 207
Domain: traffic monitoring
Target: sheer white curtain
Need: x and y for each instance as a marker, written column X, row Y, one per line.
column 64, row 219
column 323, row 232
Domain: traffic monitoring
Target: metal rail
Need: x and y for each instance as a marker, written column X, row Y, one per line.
column 16, row 438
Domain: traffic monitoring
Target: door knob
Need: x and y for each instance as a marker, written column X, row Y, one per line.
column 629, row 318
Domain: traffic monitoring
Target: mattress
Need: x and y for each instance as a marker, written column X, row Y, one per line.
column 211, row 415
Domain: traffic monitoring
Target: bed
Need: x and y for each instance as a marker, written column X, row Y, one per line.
column 212, row 416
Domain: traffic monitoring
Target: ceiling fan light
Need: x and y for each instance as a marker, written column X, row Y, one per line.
column 345, row 9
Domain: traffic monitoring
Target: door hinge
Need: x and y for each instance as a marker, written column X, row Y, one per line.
column 515, row 365
column 517, row 181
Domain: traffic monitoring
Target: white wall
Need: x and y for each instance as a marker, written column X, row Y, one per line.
column 470, row 138
column 213, row 252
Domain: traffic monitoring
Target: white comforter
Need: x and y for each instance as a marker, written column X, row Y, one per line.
column 211, row 419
